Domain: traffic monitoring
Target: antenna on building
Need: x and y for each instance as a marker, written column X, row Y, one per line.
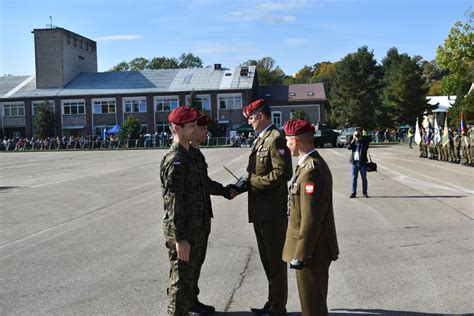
column 50, row 25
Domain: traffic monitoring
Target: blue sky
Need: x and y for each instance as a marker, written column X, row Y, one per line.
column 294, row 32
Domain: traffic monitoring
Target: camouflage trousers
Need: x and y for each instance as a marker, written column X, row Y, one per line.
column 182, row 277
column 466, row 152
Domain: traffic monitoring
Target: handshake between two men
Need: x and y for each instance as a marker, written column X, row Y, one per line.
column 238, row 187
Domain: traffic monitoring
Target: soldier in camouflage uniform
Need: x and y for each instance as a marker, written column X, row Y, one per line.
column 269, row 170
column 211, row 188
column 185, row 215
column 422, row 145
column 466, row 147
column 456, row 147
column 452, row 155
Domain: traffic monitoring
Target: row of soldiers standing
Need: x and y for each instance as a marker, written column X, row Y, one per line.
column 452, row 148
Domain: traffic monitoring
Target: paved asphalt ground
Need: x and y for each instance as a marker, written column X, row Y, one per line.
column 80, row 234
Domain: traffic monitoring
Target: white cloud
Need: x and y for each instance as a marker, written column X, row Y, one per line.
column 279, row 18
column 130, row 37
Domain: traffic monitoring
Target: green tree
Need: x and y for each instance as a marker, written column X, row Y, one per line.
column 355, row 92
column 193, row 101
column 457, row 53
column 189, row 61
column 267, row 73
column 123, row 66
column 131, row 129
column 300, row 114
column 457, row 57
column 304, row 75
column 163, row 63
column 435, row 88
column 139, row 63
column 324, row 72
column 44, row 120
column 404, row 91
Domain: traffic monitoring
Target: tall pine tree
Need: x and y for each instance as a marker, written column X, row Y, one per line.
column 355, row 92
column 404, row 90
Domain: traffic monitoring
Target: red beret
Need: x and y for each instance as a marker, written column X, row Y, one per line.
column 296, row 127
column 202, row 120
column 182, row 114
column 253, row 107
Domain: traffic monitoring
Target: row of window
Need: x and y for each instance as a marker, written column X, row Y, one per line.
column 138, row 105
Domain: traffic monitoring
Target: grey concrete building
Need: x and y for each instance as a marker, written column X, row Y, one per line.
column 61, row 55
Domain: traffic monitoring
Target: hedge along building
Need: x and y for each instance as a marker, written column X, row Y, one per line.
column 85, row 101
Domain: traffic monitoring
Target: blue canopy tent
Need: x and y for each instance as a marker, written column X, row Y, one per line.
column 114, row 130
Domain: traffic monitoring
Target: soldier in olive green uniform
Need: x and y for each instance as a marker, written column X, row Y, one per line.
column 269, row 170
column 211, row 188
column 311, row 242
column 185, row 214
column 466, row 147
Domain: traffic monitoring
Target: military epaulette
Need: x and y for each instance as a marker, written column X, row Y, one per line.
column 310, row 165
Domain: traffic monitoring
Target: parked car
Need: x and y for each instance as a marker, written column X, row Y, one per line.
column 342, row 140
column 324, row 136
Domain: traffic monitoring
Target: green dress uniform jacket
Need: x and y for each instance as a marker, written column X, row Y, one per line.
column 311, row 235
column 269, row 170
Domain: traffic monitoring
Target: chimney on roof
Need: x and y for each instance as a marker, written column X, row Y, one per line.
column 217, row 66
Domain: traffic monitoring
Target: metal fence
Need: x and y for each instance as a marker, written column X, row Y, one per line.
column 99, row 144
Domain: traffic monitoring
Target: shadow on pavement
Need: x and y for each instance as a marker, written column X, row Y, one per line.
column 417, row 196
column 356, row 311
column 7, row 188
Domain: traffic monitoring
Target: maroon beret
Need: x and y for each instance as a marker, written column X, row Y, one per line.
column 202, row 120
column 253, row 107
column 182, row 114
column 296, row 127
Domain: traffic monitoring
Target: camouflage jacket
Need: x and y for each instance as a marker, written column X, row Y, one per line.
column 183, row 195
column 210, row 186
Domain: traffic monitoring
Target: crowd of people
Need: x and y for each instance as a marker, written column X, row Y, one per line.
column 454, row 148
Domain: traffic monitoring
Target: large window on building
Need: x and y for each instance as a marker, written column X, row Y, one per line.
column 276, row 118
column 134, row 105
column 73, row 107
column 168, row 103
column 204, row 101
column 13, row 109
column 35, row 105
column 229, row 101
column 162, row 127
column 103, row 106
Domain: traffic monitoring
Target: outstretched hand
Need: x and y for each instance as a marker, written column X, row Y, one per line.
column 233, row 193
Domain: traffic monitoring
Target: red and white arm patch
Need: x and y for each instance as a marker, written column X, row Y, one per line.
column 309, row 187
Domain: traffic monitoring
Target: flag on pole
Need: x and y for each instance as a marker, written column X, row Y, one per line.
column 463, row 123
column 437, row 136
column 428, row 132
column 445, row 138
column 417, row 133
